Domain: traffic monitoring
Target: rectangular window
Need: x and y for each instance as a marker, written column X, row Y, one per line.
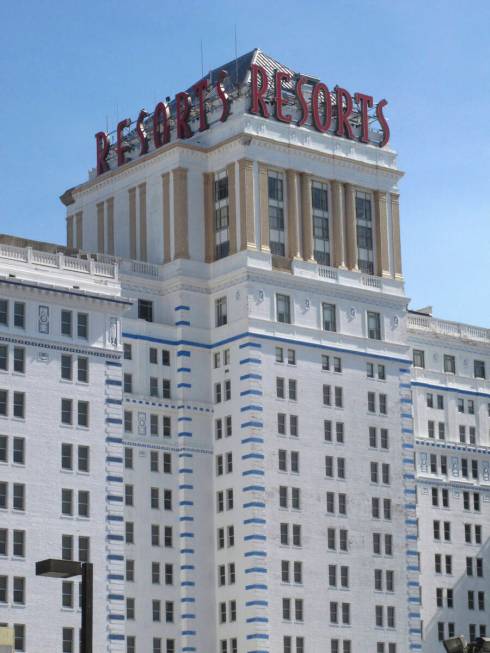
column 449, row 364
column 66, row 367
column 66, row 411
column 220, row 312
column 128, row 351
column 283, row 308
column 82, row 325
column 19, row 315
column 83, row 413
column 418, row 358
column 479, row 369
column 276, row 214
column 128, row 383
column 321, row 232
column 4, row 358
column 145, row 310
column 374, row 325
column 329, row 317
column 19, row 360
column 19, row 405
column 221, row 216
column 4, row 312
column 364, row 228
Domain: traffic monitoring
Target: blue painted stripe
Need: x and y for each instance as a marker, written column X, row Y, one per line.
column 187, row 551
column 187, row 567
column 186, row 470
column 115, row 617
column 252, row 423
column 183, row 369
column 115, row 556
column 254, row 488
column 256, row 586
column 256, row 570
column 254, row 504
column 115, row 637
column 186, row 518
column 186, row 502
column 184, row 385
column 254, row 361
column 114, row 459
column 186, row 535
column 114, row 440
column 113, row 402
column 113, row 382
column 184, row 418
column 257, row 602
column 182, row 307
column 254, row 520
column 408, row 431
column 187, row 615
column 182, row 323
column 113, row 497
column 113, row 364
column 115, row 577
column 407, row 415
column 185, row 434
column 253, row 472
column 255, row 345
column 115, row 597
column 255, row 537
column 113, row 420
column 458, row 390
column 253, row 407
column 251, row 376
column 187, row 599
column 256, row 456
column 251, row 391
column 258, row 620
column 262, row 336
column 186, row 486
column 258, row 636
column 114, row 479
column 187, row 583
column 252, row 438
column 255, row 554
column 183, row 353
column 113, row 537
column 115, row 518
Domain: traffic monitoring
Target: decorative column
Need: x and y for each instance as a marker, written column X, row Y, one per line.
column 208, row 179
column 247, row 227
column 230, row 172
column 381, row 225
column 100, row 227
column 338, row 241
column 307, row 218
column 293, row 222
column 110, row 226
column 69, row 231
column 181, row 243
column 166, row 216
column 264, row 209
column 350, row 228
column 132, row 223
column 142, row 208
column 79, row 229
column 395, row 230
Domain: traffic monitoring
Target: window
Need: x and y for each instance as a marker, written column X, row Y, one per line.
column 19, row 315
column 221, row 216
column 18, row 451
column 128, row 351
column 364, row 226
column 66, row 367
column 68, row 640
column 321, row 236
column 128, row 421
column 220, row 312
column 19, row 404
column 4, row 358
column 292, row 389
column 128, row 383
column 418, row 358
column 276, row 213
column 283, row 308
column 145, row 310
column 479, row 369
column 329, row 317
column 449, row 364
column 4, row 312
column 166, row 388
column 83, row 503
column 19, row 360
column 374, row 325
column 82, row 325
column 19, row 590
column 83, row 413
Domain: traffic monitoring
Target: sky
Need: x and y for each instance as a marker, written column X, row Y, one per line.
column 69, row 69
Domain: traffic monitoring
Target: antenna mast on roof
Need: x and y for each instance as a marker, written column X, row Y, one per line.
column 236, row 58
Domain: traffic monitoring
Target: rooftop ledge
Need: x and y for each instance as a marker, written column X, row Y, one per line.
column 261, row 261
column 59, row 260
column 428, row 324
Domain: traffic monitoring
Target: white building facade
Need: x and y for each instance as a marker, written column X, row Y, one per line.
column 253, row 486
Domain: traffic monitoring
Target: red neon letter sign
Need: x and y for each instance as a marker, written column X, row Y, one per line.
column 299, row 94
column 365, row 102
column 200, row 89
column 102, row 145
column 183, row 104
column 161, row 125
column 382, row 121
column 223, row 95
column 324, row 125
column 141, row 132
column 258, row 105
column 121, row 147
column 344, row 128
column 279, row 77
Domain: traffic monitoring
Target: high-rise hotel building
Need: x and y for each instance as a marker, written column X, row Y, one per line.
column 216, row 393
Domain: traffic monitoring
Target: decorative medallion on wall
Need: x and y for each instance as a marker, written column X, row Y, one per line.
column 43, row 323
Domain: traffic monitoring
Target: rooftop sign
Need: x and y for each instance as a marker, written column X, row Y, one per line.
column 292, row 99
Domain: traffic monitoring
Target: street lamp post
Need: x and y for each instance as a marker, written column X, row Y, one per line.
column 67, row 569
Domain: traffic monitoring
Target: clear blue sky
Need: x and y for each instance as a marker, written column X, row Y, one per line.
column 68, row 67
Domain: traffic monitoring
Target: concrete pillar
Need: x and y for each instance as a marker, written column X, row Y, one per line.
column 79, row 229
column 132, row 223
column 293, row 218
column 166, row 216
column 110, row 226
column 307, row 217
column 69, row 231
column 143, row 229
column 337, row 226
column 395, row 230
column 100, row 228
column 230, row 171
column 350, row 228
column 181, row 241
column 247, row 228
column 381, row 225
column 209, row 227
column 264, row 208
